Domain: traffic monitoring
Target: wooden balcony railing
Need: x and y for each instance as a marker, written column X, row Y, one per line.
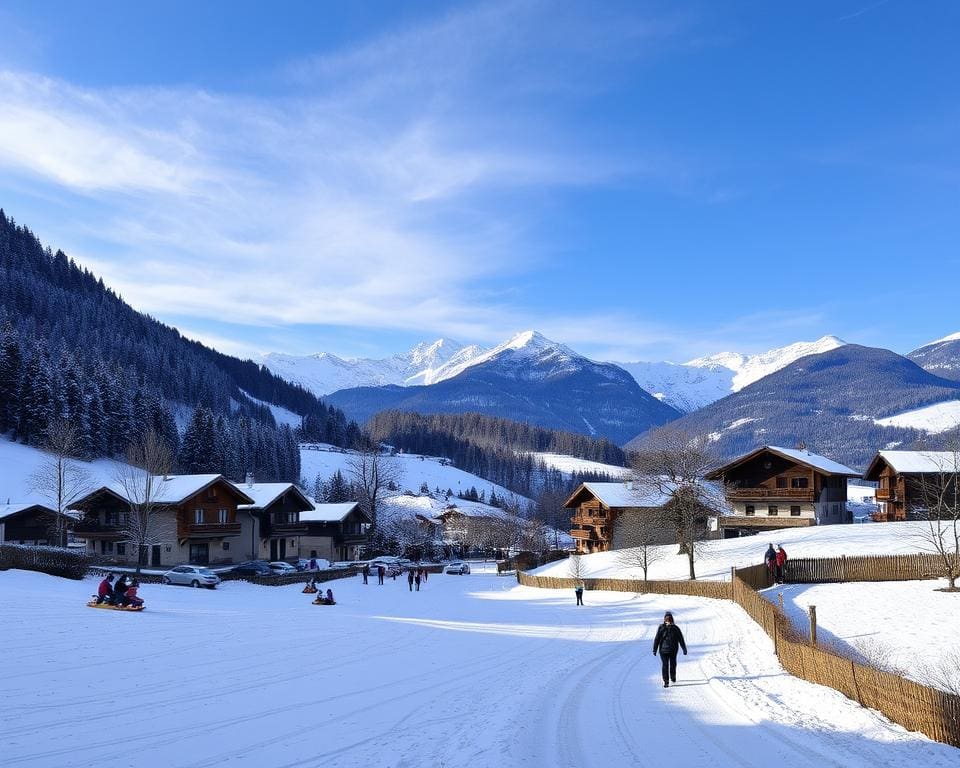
column 207, row 530
column 93, row 529
column 795, row 494
column 288, row 529
column 887, row 494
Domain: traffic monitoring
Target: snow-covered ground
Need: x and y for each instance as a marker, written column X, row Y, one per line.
column 935, row 419
column 906, row 626
column 717, row 557
column 571, row 464
column 472, row 671
column 413, row 470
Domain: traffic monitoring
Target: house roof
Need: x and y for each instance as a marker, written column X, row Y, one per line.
column 630, row 494
column 329, row 513
column 798, row 455
column 174, row 489
column 914, row 462
column 265, row 494
column 9, row 510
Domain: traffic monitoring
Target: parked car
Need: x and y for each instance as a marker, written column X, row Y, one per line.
column 459, row 568
column 303, row 564
column 281, row 568
column 192, row 576
column 253, row 568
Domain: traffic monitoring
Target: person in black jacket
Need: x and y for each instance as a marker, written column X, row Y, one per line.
column 668, row 641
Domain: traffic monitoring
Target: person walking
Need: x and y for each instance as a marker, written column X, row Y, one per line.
column 668, row 640
column 380, row 573
column 366, row 573
column 416, row 579
column 770, row 558
column 781, row 560
column 410, row 580
column 578, row 591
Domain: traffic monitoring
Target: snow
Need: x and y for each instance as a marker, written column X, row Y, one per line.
column 570, row 464
column 470, row 672
column 414, row 470
column 717, row 557
column 951, row 337
column 922, row 461
column 815, row 460
column 327, row 513
column 280, row 414
column 263, row 494
column 905, row 625
column 933, row 419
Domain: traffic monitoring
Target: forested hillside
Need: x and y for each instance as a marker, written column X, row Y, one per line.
column 71, row 348
column 496, row 449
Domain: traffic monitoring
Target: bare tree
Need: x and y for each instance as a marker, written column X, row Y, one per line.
column 149, row 459
column 673, row 468
column 939, row 493
column 577, row 568
column 639, row 534
column 61, row 479
column 944, row 671
column 372, row 473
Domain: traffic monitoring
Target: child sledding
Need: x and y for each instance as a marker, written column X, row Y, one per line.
column 121, row 596
column 326, row 599
column 310, row 588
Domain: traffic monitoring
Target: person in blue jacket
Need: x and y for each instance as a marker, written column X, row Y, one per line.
column 668, row 641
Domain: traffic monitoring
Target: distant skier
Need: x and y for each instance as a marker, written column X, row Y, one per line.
column 578, row 591
column 781, row 561
column 668, row 641
column 770, row 558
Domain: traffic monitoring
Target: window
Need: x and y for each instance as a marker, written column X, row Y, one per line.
column 121, row 548
column 198, row 516
column 750, row 509
column 781, row 482
column 836, row 509
column 226, row 545
column 772, row 511
column 211, row 494
column 799, row 482
column 795, row 510
column 224, row 515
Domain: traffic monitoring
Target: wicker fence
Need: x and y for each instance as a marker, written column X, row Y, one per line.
column 917, row 707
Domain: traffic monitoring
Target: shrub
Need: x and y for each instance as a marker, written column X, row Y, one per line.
column 56, row 561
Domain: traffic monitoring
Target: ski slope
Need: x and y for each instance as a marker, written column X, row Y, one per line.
column 472, row 671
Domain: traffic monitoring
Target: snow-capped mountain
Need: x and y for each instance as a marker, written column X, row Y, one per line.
column 527, row 378
column 940, row 357
column 324, row 372
column 694, row 384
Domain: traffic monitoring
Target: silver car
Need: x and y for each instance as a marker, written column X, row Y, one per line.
column 282, row 569
column 458, row 568
column 192, row 576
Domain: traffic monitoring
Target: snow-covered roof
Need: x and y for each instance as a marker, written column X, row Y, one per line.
column 915, row 462
column 634, row 494
column 8, row 510
column 799, row 455
column 327, row 513
column 175, row 489
column 264, row 494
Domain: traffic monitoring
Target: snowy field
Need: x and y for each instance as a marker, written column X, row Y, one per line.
column 570, row 464
column 472, row 671
column 413, row 470
column 905, row 626
column 716, row 557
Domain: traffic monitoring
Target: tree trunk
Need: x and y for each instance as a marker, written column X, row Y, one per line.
column 693, row 573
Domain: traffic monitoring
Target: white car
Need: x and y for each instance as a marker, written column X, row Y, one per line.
column 460, row 568
column 282, row 569
column 191, row 576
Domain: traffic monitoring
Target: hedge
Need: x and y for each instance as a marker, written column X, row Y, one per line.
column 56, row 561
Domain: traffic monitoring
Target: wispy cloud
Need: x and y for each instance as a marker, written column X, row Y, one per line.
column 380, row 193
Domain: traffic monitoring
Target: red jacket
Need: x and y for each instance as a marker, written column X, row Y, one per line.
column 781, row 556
column 105, row 588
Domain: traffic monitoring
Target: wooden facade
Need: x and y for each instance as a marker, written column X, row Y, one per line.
column 340, row 536
column 602, row 512
column 28, row 524
column 772, row 488
column 274, row 521
column 200, row 526
column 903, row 479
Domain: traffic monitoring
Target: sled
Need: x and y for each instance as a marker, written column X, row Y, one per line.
column 309, row 590
column 134, row 608
column 323, row 601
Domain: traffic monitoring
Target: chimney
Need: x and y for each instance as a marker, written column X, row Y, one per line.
column 249, row 479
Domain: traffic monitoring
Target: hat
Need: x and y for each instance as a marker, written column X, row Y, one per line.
column 668, row 615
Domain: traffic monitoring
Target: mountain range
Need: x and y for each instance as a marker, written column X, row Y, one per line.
column 527, row 378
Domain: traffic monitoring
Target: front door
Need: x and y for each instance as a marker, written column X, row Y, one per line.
column 283, row 549
column 155, row 555
column 273, row 549
column 200, row 554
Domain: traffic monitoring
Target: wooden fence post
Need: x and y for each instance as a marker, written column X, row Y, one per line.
column 733, row 578
column 780, row 600
column 813, row 624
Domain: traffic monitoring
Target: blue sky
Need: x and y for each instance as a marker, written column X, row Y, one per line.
column 638, row 180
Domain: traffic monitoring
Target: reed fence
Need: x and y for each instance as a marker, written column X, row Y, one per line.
column 917, row 707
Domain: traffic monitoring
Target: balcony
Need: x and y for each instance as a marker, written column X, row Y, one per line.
column 581, row 534
column 791, row 494
column 887, row 494
column 288, row 529
column 94, row 529
column 207, row 530
column 767, row 523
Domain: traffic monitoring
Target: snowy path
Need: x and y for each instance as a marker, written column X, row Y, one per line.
column 473, row 671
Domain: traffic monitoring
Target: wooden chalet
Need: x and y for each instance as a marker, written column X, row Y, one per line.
column 772, row 488
column 196, row 522
column 270, row 527
column 904, row 477
column 28, row 523
column 599, row 509
column 335, row 532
